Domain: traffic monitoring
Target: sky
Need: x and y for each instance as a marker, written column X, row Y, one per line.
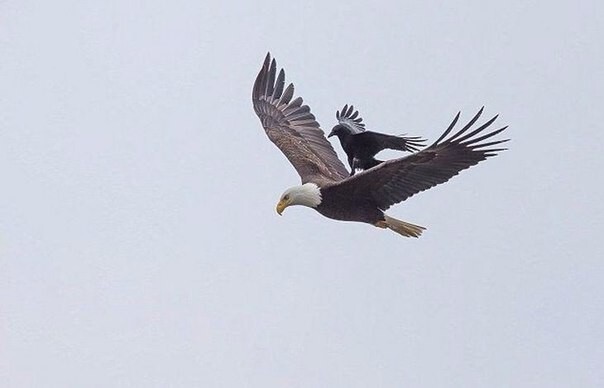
column 139, row 243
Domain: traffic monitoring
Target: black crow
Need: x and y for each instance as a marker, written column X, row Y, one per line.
column 361, row 146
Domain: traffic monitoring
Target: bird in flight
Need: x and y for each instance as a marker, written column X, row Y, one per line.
column 361, row 146
column 326, row 184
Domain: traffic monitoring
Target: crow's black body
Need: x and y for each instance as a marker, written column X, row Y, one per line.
column 361, row 146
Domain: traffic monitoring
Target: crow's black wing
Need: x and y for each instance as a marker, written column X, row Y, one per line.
column 370, row 143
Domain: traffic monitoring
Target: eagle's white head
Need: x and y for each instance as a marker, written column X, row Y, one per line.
column 308, row 194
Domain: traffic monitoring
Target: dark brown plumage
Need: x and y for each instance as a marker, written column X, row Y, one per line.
column 365, row 196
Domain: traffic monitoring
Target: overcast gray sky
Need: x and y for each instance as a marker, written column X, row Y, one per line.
column 139, row 242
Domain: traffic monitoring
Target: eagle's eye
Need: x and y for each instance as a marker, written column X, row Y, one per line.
column 286, row 197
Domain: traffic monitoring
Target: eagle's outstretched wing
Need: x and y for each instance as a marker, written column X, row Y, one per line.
column 396, row 180
column 293, row 128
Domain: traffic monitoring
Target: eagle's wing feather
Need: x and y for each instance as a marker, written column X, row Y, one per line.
column 293, row 128
column 396, row 180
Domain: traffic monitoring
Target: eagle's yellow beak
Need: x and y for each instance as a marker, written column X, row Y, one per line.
column 281, row 206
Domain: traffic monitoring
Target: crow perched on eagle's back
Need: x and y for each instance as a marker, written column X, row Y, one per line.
column 361, row 146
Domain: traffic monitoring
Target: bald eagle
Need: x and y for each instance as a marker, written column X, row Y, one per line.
column 326, row 185
column 361, row 146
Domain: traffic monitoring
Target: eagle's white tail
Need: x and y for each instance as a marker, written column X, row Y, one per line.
column 403, row 228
